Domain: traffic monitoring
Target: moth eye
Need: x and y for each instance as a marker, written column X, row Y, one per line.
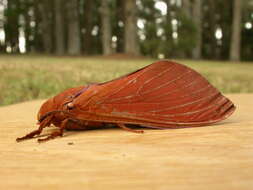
column 70, row 105
column 70, row 97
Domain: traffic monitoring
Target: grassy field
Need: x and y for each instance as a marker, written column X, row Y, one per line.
column 25, row 78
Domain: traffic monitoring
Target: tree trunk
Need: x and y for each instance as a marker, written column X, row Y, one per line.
column 168, row 30
column 27, row 29
column 37, row 42
column 236, row 32
column 120, row 17
column 208, row 34
column 187, row 8
column 106, row 27
column 59, row 29
column 88, row 25
column 130, row 33
column 74, row 45
column 197, row 18
column 44, row 9
column 11, row 26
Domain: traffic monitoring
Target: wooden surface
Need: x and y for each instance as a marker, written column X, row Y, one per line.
column 214, row 157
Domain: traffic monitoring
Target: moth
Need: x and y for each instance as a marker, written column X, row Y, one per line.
column 162, row 95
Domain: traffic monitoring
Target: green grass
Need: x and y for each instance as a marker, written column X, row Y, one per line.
column 35, row 77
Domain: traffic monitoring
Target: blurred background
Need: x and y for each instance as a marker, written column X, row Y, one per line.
column 206, row 29
column 47, row 46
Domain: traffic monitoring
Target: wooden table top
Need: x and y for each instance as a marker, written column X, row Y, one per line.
column 216, row 157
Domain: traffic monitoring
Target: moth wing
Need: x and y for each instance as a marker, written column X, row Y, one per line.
column 162, row 94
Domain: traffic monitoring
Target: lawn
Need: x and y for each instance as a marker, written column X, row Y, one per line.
column 36, row 77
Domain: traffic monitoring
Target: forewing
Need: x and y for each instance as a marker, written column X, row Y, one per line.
column 163, row 93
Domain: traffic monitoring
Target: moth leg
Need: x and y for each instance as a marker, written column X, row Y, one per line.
column 122, row 126
column 31, row 134
column 43, row 124
column 55, row 133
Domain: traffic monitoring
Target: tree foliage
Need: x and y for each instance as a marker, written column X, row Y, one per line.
column 28, row 26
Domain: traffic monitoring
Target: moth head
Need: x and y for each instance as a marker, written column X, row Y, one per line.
column 52, row 111
column 43, row 115
column 48, row 114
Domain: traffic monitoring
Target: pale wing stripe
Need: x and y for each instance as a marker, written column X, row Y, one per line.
column 196, row 81
column 183, row 96
column 138, row 95
column 222, row 98
column 178, row 114
column 103, row 117
column 167, row 100
column 199, row 110
column 167, row 83
column 214, row 113
column 123, row 86
column 108, row 117
column 141, row 72
column 154, row 77
column 190, row 103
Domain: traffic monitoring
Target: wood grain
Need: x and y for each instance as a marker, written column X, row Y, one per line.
column 214, row 157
